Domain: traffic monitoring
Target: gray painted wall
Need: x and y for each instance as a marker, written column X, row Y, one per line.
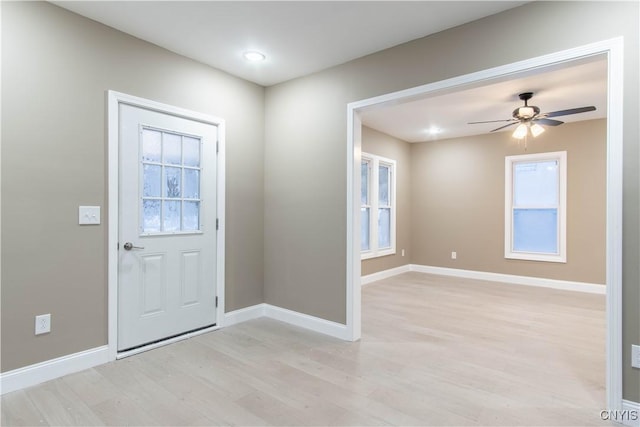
column 290, row 232
column 451, row 198
column 457, row 202
column 56, row 67
column 305, row 157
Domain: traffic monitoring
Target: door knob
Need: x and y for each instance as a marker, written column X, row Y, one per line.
column 128, row 246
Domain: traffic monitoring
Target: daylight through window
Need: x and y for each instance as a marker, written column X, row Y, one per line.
column 535, row 207
column 377, row 208
column 170, row 193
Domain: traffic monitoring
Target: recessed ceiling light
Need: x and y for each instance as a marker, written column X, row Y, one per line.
column 434, row 130
column 254, row 56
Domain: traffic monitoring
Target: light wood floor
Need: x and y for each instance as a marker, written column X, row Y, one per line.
column 434, row 351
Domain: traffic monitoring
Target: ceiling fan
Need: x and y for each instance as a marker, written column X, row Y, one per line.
column 529, row 118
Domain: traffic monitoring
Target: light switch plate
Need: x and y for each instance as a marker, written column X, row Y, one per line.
column 89, row 215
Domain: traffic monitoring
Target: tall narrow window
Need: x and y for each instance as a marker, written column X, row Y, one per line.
column 378, row 211
column 365, row 209
column 384, row 206
column 535, row 207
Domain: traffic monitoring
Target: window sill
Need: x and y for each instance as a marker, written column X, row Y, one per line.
column 536, row 257
column 378, row 254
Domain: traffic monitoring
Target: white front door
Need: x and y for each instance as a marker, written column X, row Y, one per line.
column 167, row 226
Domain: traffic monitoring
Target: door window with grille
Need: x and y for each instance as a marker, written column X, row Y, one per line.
column 170, row 190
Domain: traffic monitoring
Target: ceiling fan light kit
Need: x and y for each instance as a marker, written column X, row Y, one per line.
column 529, row 119
column 524, row 128
column 521, row 131
column 525, row 112
column 536, row 130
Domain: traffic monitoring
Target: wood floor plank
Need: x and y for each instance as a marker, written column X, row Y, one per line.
column 18, row 410
column 124, row 412
column 434, row 351
column 138, row 387
column 92, row 386
column 61, row 406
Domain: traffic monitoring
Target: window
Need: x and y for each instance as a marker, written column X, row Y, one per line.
column 535, row 207
column 170, row 193
column 378, row 207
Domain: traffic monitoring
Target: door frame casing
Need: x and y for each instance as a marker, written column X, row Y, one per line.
column 614, row 50
column 114, row 99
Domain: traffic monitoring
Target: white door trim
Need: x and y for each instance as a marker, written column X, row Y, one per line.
column 114, row 99
column 613, row 48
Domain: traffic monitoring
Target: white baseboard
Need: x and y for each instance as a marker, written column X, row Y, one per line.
column 244, row 314
column 51, row 369
column 65, row 365
column 295, row 318
column 513, row 279
column 369, row 278
column 630, row 413
column 55, row 368
column 306, row 321
column 483, row 275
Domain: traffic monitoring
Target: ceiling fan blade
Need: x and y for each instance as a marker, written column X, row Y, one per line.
column 505, row 126
column 570, row 111
column 548, row 122
column 491, row 121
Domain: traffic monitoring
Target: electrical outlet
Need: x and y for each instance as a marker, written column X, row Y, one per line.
column 635, row 356
column 454, row 255
column 43, row 324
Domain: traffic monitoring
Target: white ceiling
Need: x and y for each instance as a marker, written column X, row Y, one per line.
column 303, row 37
column 298, row 37
column 569, row 85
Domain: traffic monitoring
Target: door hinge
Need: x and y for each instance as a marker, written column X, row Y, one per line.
column 217, row 146
column 217, row 223
column 118, row 246
column 216, row 301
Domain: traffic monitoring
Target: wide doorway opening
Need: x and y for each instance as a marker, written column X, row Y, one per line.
column 611, row 50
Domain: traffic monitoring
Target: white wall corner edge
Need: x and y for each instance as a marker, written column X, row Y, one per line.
column 31, row 375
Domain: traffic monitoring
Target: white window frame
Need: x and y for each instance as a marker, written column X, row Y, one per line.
column 374, row 163
column 162, row 198
column 510, row 161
